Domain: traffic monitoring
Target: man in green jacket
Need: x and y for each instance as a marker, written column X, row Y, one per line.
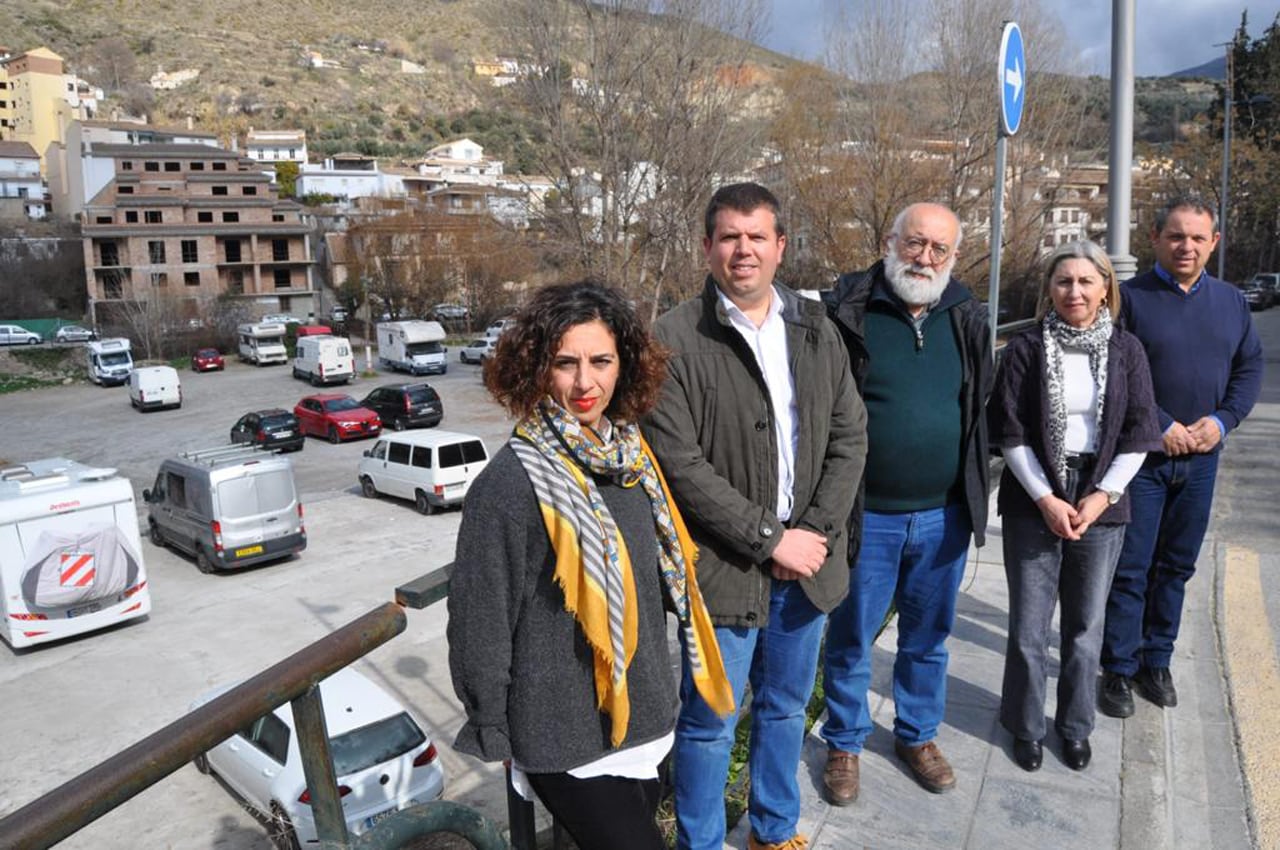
column 762, row 437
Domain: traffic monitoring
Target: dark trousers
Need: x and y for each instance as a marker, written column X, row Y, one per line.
column 1171, row 499
column 604, row 812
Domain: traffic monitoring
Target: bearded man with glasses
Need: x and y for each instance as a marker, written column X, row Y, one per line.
column 920, row 350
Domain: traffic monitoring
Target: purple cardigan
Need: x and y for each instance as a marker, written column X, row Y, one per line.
column 1019, row 409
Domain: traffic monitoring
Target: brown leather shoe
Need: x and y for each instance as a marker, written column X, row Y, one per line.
column 840, row 777
column 928, row 764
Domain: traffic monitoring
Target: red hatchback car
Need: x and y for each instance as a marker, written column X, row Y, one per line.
column 207, row 360
column 336, row 416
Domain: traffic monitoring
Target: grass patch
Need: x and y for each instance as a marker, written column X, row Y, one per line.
column 18, row 383
column 47, row 359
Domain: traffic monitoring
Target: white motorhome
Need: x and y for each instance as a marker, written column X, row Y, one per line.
column 155, row 388
column 413, row 346
column 262, row 343
column 324, row 359
column 70, row 553
column 109, row 361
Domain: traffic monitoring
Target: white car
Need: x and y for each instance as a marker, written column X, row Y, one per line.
column 279, row 319
column 382, row 758
column 477, row 350
column 495, row 330
column 18, row 335
column 74, row 333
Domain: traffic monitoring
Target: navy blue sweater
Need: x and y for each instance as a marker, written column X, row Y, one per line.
column 1206, row 359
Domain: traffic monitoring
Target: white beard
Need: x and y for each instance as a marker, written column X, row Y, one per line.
column 917, row 286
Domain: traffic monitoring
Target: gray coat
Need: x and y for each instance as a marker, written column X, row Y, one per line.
column 713, row 433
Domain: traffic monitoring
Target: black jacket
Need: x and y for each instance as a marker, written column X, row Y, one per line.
column 847, row 305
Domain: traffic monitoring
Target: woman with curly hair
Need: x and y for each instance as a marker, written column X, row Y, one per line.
column 570, row 552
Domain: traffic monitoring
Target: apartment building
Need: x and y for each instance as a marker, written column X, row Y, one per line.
column 191, row 222
column 21, row 189
column 272, row 146
column 37, row 99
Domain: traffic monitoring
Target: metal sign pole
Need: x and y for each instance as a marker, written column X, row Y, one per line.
column 1011, row 91
column 997, row 218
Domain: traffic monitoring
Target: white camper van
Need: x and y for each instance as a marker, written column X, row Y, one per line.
column 324, row 360
column 109, row 361
column 70, row 554
column 413, row 346
column 154, row 388
column 262, row 343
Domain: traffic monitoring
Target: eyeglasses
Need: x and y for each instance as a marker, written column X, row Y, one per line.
column 915, row 247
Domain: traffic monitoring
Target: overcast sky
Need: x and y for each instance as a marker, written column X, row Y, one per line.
column 1170, row 34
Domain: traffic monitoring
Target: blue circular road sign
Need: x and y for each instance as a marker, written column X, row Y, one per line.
column 1012, row 79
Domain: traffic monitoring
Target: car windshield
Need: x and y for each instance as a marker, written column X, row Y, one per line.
column 278, row 422
column 479, row 343
column 207, row 352
column 118, row 358
column 252, row 494
column 424, row 348
column 334, row 405
column 376, row 743
column 421, row 394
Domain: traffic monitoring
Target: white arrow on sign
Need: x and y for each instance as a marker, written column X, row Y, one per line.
column 1013, row 77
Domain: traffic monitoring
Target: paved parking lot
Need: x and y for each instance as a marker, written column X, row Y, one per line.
column 70, row 705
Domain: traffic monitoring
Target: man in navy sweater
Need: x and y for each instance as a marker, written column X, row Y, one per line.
column 1206, row 367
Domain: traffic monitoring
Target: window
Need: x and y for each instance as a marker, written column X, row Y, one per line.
column 219, row 190
column 156, row 251
column 399, row 453
column 191, row 278
column 173, row 166
column 151, row 166
column 251, row 190
column 380, row 450
column 204, row 217
column 153, row 217
column 269, row 734
column 456, row 454
column 189, row 252
column 235, row 282
column 126, row 165
column 231, row 216
column 175, row 487
column 232, row 248
column 292, row 153
column 103, row 219
column 110, row 254
column 283, row 280
column 279, row 249
column 125, row 190
column 422, row 457
column 277, row 216
column 219, row 166
column 195, row 166
column 159, row 279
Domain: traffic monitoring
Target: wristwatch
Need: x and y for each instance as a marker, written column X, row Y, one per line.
column 1113, row 496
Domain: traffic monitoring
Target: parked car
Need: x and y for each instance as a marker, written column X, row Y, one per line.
column 275, row 429
column 1258, row 295
column 74, row 333
column 449, row 312
column 434, row 469
column 279, row 319
column 495, row 330
column 18, row 335
column 477, row 350
column 338, row 314
column 155, row 388
column 207, row 360
column 1271, row 281
column 383, row 760
column 411, row 405
column 337, row 417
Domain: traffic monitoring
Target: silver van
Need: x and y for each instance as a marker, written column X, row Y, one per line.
column 228, row 507
column 434, row 469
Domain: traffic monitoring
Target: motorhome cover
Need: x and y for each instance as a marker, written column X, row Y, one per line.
column 64, row 569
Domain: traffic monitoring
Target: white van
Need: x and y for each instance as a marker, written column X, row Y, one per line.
column 324, row 360
column 433, row 468
column 70, row 553
column 154, row 388
column 414, row 346
column 262, row 343
column 108, row 361
column 229, row 506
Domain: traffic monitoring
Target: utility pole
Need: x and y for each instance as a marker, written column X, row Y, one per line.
column 1120, row 177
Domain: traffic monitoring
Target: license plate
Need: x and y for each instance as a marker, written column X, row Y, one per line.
column 248, row 550
column 284, row 433
column 453, row 488
column 91, row 608
column 380, row 816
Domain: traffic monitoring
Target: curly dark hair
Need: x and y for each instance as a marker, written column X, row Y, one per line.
column 517, row 375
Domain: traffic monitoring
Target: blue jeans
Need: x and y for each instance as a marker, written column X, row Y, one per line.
column 1171, row 499
column 780, row 660
column 915, row 560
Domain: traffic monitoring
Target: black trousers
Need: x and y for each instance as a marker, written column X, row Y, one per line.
column 604, row 812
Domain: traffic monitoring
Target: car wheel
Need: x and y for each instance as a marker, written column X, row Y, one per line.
column 421, row 502
column 202, row 763
column 203, row 564
column 334, row 437
column 367, row 488
column 33, row 342
column 280, row 830
column 157, row 537
column 398, row 424
column 315, row 380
